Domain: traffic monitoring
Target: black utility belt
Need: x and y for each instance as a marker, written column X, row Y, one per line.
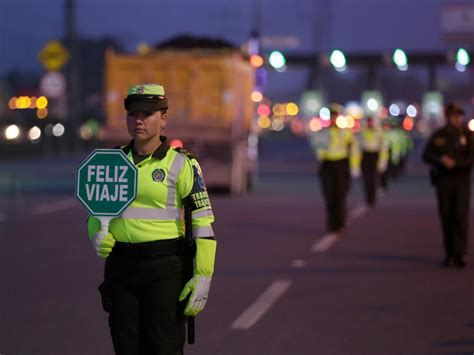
column 156, row 248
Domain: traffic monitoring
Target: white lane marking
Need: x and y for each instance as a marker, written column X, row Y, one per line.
column 3, row 217
column 298, row 263
column 55, row 206
column 261, row 305
column 357, row 212
column 324, row 243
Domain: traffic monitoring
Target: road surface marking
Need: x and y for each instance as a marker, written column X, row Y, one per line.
column 55, row 206
column 357, row 212
column 261, row 305
column 324, row 243
column 298, row 263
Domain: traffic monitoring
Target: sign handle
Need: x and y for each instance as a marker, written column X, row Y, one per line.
column 104, row 226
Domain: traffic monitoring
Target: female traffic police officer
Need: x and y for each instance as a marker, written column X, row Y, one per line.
column 143, row 277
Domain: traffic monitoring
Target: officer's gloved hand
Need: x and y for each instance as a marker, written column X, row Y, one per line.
column 381, row 167
column 103, row 244
column 355, row 173
column 199, row 285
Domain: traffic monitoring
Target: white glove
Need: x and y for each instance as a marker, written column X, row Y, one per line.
column 355, row 173
column 199, row 287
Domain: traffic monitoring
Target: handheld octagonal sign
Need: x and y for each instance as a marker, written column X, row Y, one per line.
column 106, row 182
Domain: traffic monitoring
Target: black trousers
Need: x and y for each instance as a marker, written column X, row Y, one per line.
column 140, row 292
column 370, row 176
column 453, row 195
column 335, row 180
column 385, row 176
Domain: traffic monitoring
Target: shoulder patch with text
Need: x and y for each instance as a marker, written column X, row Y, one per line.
column 198, row 198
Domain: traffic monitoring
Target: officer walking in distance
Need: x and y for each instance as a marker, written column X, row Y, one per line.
column 145, row 291
column 374, row 147
column 338, row 155
column 450, row 152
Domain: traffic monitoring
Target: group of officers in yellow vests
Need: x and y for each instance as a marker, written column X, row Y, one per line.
column 377, row 153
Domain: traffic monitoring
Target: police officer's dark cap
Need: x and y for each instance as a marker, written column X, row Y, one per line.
column 453, row 109
column 146, row 97
column 335, row 109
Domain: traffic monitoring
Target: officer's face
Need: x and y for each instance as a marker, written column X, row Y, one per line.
column 143, row 126
column 456, row 120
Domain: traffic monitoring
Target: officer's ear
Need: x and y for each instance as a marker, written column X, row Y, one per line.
column 164, row 115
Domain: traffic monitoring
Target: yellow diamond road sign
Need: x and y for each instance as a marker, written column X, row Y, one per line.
column 53, row 56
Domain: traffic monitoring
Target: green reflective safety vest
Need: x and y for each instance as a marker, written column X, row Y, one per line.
column 333, row 143
column 395, row 146
column 405, row 141
column 373, row 140
column 166, row 181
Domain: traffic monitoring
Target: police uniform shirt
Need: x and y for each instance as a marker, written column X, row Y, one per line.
column 456, row 143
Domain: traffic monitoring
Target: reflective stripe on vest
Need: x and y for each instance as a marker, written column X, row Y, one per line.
column 371, row 141
column 172, row 176
column 152, row 213
column 205, row 213
column 200, row 232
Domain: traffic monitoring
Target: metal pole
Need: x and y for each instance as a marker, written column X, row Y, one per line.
column 73, row 74
column 371, row 76
column 432, row 77
column 254, row 36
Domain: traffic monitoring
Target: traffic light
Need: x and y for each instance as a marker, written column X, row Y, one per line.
column 338, row 60
column 277, row 60
column 463, row 57
column 400, row 59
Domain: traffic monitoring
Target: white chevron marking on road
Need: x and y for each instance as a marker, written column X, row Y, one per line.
column 357, row 212
column 298, row 263
column 324, row 243
column 261, row 305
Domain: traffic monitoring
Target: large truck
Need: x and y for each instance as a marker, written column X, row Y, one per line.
column 210, row 108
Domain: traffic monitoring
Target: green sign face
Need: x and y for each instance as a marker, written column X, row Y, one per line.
column 106, row 182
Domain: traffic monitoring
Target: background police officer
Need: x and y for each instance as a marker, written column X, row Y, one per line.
column 374, row 158
column 144, row 272
column 338, row 155
column 450, row 152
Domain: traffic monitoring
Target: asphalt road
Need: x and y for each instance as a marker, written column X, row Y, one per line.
column 282, row 286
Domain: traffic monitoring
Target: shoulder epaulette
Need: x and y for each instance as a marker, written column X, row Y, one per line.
column 185, row 153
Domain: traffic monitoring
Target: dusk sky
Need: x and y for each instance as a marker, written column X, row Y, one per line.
column 353, row 25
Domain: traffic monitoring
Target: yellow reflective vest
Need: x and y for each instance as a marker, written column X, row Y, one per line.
column 166, row 180
column 373, row 140
column 335, row 143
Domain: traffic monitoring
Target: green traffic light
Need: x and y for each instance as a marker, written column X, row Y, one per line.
column 277, row 60
column 463, row 57
column 400, row 58
column 338, row 60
